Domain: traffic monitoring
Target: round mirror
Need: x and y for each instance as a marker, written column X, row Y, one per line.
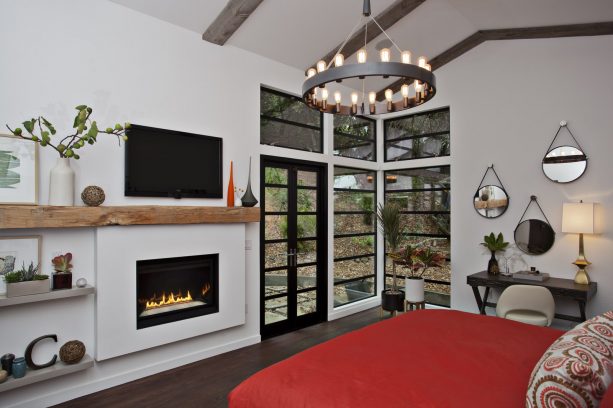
column 534, row 237
column 491, row 201
column 564, row 164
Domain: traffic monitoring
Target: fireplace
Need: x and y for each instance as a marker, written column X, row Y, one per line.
column 172, row 289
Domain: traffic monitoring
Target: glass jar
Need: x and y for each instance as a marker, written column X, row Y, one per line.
column 19, row 367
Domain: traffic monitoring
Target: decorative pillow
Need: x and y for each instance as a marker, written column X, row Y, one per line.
column 576, row 369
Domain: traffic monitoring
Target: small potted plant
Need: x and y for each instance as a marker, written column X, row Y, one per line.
column 417, row 261
column 26, row 281
column 62, row 278
column 494, row 244
column 390, row 225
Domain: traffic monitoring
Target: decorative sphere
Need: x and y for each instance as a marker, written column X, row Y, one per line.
column 72, row 352
column 93, row 196
column 81, row 283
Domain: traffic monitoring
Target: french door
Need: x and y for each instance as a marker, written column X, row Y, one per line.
column 293, row 245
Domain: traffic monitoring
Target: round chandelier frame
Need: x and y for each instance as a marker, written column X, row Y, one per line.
column 317, row 96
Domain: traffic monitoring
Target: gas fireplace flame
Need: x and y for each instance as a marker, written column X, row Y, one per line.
column 205, row 289
column 173, row 298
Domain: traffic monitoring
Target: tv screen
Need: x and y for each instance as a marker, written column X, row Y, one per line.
column 168, row 163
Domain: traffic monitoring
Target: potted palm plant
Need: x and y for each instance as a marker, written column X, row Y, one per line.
column 26, row 281
column 494, row 244
column 417, row 261
column 392, row 229
column 62, row 278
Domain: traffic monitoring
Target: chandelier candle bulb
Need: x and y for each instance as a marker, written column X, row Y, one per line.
column 385, row 55
column 311, row 72
column 354, row 103
column 339, row 60
column 324, row 98
column 421, row 62
column 372, row 99
column 337, row 100
column 389, row 94
column 362, row 55
column 404, row 90
column 321, row 66
column 406, row 57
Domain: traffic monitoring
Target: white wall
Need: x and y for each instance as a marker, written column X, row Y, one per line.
column 507, row 99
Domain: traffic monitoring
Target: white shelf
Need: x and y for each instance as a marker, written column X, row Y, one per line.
column 57, row 370
column 42, row 297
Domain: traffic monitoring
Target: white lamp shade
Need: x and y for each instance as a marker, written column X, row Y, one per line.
column 578, row 218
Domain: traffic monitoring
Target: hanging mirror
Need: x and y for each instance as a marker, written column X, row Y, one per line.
column 534, row 236
column 563, row 164
column 490, row 200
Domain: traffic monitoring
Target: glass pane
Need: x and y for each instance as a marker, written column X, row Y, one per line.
column 276, row 199
column 306, row 252
column 437, row 224
column 353, row 246
column 352, row 224
column 287, row 107
column 307, row 302
column 353, row 291
column 354, row 268
column 345, row 177
column 428, row 177
column 274, row 175
column 285, row 135
column 421, row 200
column 275, row 282
column 417, row 148
column 307, row 277
column 275, row 310
column 354, row 126
column 439, row 245
column 417, row 124
column 275, row 255
column 276, row 227
column 307, row 200
column 354, row 201
column 306, row 226
column 307, row 178
column 355, row 148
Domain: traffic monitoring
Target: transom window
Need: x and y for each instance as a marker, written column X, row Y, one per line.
column 355, row 137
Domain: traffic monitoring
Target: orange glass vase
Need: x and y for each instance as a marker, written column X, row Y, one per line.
column 230, row 197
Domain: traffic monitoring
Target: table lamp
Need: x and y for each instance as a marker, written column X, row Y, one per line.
column 578, row 218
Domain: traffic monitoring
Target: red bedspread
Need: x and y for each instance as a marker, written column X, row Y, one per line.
column 428, row 358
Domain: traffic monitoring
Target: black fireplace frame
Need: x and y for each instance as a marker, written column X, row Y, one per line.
column 183, row 314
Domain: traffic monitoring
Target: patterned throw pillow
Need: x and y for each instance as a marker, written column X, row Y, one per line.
column 576, row 369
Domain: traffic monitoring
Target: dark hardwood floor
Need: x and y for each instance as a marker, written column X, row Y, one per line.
column 193, row 385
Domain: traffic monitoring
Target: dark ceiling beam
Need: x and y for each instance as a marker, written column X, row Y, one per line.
column 570, row 30
column 386, row 19
column 229, row 20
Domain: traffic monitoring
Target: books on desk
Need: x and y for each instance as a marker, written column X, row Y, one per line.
column 530, row 275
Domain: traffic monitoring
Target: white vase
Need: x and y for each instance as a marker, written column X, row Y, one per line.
column 61, row 183
column 414, row 289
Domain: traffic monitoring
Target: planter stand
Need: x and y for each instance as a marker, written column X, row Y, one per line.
column 392, row 302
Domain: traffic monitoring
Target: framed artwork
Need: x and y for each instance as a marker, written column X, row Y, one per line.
column 18, row 251
column 18, row 170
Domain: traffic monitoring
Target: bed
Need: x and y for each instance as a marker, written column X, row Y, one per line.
column 427, row 358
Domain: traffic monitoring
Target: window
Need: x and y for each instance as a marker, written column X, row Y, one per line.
column 355, row 240
column 285, row 121
column 355, row 137
column 423, row 195
column 417, row 136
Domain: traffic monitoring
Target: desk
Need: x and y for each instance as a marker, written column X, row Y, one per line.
column 560, row 289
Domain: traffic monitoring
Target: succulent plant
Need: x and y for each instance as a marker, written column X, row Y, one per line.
column 61, row 263
column 24, row 274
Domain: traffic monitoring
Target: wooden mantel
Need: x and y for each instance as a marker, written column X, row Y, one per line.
column 38, row 216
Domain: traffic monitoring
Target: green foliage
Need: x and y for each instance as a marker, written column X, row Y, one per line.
column 25, row 274
column 366, row 205
column 494, row 243
column 417, row 260
column 40, row 131
column 365, row 242
column 61, row 263
column 393, row 231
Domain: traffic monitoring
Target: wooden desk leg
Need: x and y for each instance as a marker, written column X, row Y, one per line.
column 478, row 299
column 582, row 309
column 485, row 296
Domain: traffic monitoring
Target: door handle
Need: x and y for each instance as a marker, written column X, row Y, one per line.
column 292, row 255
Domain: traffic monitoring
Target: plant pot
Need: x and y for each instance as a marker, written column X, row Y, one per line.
column 62, row 280
column 492, row 265
column 27, row 288
column 61, row 183
column 414, row 289
column 392, row 302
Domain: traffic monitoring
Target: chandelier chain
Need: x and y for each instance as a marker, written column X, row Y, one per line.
column 346, row 41
column 388, row 37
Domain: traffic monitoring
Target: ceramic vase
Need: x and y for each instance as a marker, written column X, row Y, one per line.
column 230, row 196
column 248, row 198
column 492, row 265
column 414, row 289
column 61, row 183
column 19, row 367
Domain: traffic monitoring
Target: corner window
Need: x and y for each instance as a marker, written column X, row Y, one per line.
column 355, row 137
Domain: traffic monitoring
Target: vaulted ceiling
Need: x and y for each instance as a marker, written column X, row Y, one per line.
column 298, row 32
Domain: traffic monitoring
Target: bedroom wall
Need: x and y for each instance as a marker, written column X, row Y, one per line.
column 507, row 99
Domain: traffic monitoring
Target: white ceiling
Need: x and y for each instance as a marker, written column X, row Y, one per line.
column 299, row 32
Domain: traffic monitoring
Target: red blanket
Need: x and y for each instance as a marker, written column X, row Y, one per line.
column 428, row 358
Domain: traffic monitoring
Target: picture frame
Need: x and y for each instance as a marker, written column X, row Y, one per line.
column 17, row 251
column 18, row 170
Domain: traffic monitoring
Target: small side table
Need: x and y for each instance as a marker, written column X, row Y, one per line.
column 409, row 306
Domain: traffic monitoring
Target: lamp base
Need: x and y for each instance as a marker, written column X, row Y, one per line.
column 582, row 277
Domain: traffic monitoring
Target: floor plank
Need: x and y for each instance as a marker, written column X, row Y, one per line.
column 193, row 386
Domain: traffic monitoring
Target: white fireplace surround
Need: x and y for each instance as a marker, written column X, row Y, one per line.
column 118, row 249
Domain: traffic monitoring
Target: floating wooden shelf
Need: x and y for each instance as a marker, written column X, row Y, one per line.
column 39, row 216
column 42, row 297
column 57, row 370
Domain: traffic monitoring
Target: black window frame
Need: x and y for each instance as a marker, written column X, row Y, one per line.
column 420, row 212
column 374, row 234
column 398, row 118
column 372, row 141
column 292, row 123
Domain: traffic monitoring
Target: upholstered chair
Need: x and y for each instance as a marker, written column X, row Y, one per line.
column 527, row 304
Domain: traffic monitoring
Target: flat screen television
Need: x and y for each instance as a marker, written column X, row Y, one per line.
column 168, row 163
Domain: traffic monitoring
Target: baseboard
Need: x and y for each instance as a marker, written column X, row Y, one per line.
column 344, row 311
column 66, row 394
